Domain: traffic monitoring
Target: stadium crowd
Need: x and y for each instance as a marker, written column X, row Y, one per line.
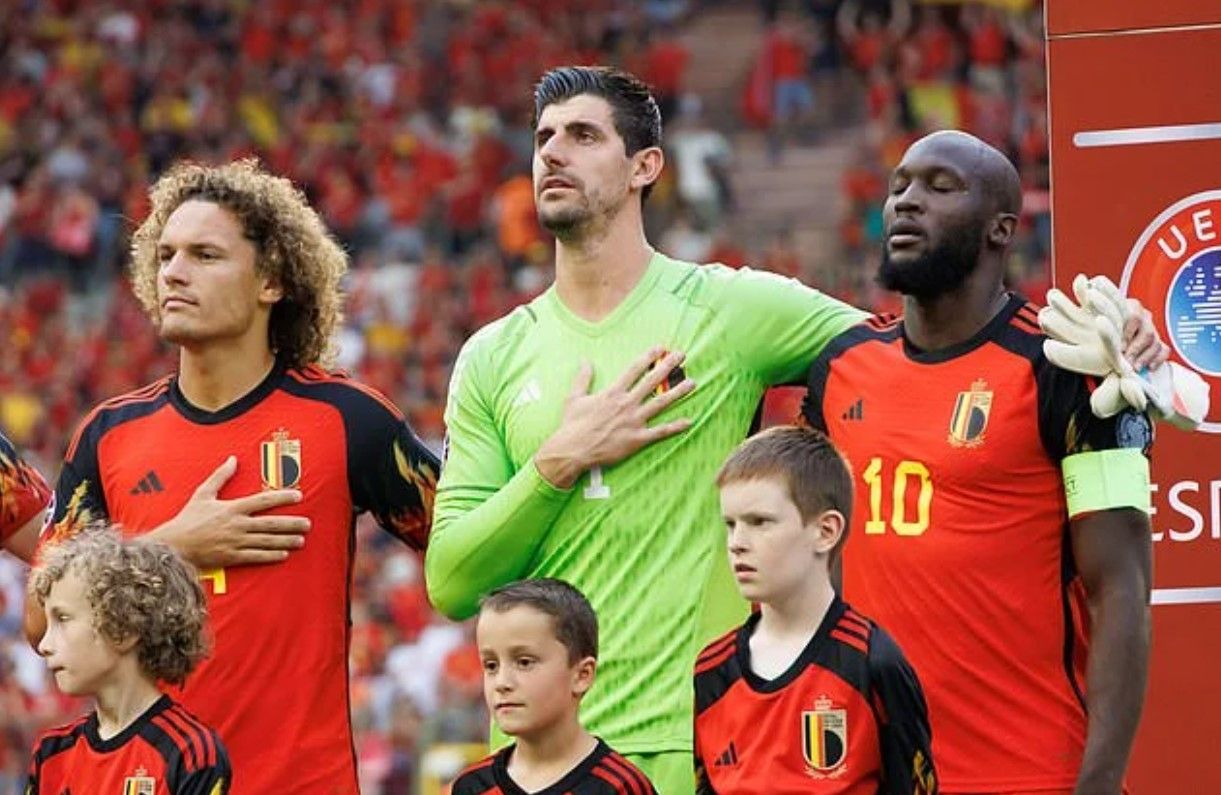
column 407, row 125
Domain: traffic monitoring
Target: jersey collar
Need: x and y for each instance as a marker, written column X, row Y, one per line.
column 238, row 407
column 820, row 637
column 567, row 784
column 119, row 740
column 988, row 332
column 637, row 294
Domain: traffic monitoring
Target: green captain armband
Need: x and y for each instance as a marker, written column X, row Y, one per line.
column 1102, row 479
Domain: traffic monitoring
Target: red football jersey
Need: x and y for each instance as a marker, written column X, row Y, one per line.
column 276, row 684
column 603, row 772
column 166, row 751
column 959, row 543
column 23, row 492
column 846, row 718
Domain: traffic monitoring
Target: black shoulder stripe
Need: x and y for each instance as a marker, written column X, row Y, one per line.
column 618, row 759
column 716, row 647
column 1057, row 390
column 622, row 783
column 358, row 410
column 847, row 662
column 172, row 744
column 59, row 742
column 345, row 395
column 853, row 631
column 870, row 330
column 711, row 684
column 883, row 321
column 202, row 737
column 114, row 413
column 1027, row 343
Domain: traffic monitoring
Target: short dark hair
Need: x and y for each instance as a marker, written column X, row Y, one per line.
column 635, row 113
column 572, row 617
column 811, row 467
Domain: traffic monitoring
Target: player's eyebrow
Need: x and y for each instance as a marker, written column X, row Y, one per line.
column 193, row 246
column 583, row 125
column 945, row 169
column 574, row 127
column 753, row 516
column 927, row 173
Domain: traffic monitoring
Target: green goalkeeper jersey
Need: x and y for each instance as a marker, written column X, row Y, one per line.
column 643, row 539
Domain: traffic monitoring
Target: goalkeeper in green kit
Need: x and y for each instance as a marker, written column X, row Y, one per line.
column 585, row 428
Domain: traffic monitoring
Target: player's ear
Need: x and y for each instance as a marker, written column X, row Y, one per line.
column 270, row 291
column 583, row 676
column 646, row 167
column 830, row 526
column 1001, row 229
column 126, row 644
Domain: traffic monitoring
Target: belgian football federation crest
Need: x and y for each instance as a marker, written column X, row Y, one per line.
column 970, row 417
column 140, row 784
column 1174, row 268
column 824, row 736
column 281, row 461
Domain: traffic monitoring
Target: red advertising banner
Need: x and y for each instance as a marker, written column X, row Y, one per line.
column 1135, row 116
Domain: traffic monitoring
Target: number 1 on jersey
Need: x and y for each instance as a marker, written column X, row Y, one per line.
column 596, row 490
column 899, row 522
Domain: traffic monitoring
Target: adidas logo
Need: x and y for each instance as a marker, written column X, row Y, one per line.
column 528, row 394
column 856, row 411
column 149, row 484
column 728, row 757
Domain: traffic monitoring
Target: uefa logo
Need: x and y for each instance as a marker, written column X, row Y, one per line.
column 1175, row 271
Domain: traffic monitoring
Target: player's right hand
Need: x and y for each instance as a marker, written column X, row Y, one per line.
column 606, row 427
column 211, row 532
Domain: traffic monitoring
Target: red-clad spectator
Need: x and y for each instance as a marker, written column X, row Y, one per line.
column 341, row 201
column 17, row 96
column 935, row 46
column 405, row 192
column 410, row 610
column 868, row 35
column 987, row 40
column 727, row 251
column 664, row 69
column 258, row 40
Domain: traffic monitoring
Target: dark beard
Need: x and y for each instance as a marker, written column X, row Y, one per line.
column 937, row 271
column 575, row 223
column 566, row 224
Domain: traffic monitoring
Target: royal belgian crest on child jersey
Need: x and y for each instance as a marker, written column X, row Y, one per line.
column 140, row 784
column 824, row 737
column 281, row 461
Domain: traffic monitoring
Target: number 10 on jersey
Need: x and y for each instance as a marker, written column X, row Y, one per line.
column 905, row 472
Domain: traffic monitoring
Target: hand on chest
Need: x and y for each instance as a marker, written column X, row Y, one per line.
column 148, row 482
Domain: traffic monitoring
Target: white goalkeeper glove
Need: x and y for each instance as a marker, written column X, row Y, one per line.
column 1085, row 337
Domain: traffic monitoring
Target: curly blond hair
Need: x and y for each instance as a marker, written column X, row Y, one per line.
column 294, row 248
column 138, row 588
